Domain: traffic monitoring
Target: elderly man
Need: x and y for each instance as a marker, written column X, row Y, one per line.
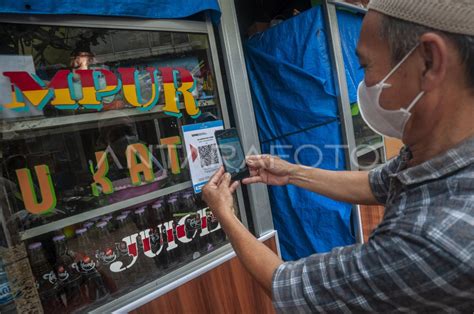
column 418, row 57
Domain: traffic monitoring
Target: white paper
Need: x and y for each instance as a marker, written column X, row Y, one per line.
column 202, row 151
column 9, row 63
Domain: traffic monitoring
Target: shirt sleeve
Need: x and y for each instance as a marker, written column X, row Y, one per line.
column 390, row 275
column 379, row 179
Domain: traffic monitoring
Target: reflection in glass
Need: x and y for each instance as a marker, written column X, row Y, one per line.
column 88, row 145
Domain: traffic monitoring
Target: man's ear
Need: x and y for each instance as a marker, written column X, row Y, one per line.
column 434, row 51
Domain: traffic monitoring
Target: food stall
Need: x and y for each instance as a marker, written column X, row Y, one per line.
column 100, row 210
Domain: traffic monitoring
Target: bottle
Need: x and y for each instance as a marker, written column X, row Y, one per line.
column 7, row 299
column 82, row 245
column 91, row 230
column 69, row 278
column 105, row 255
column 158, row 214
column 144, row 264
column 123, row 230
column 95, row 219
column 176, row 254
column 129, row 227
column 159, row 236
column 94, row 282
column 192, row 224
column 108, row 221
column 127, row 215
column 212, row 224
column 46, row 280
column 88, row 225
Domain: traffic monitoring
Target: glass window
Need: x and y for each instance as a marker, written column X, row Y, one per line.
column 95, row 186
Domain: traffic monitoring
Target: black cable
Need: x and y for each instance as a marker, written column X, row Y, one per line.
column 300, row 131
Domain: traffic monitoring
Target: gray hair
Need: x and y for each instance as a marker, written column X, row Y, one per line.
column 402, row 36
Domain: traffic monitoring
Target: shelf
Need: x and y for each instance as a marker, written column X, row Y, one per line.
column 59, row 224
column 368, row 148
column 14, row 129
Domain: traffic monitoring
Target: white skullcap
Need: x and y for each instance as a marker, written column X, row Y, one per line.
column 453, row 16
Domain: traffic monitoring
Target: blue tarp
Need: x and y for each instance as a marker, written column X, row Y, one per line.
column 296, row 109
column 154, row 9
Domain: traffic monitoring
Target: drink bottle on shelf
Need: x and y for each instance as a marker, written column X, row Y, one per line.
column 124, row 229
column 212, row 224
column 129, row 222
column 106, row 254
column 127, row 215
column 46, row 280
column 91, row 230
column 158, row 235
column 176, row 255
column 69, row 279
column 88, row 225
column 157, row 213
column 108, row 221
column 192, row 224
column 144, row 264
column 95, row 219
column 93, row 280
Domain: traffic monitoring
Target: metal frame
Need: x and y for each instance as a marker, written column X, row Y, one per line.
column 108, row 22
column 242, row 106
column 346, row 5
column 342, row 92
column 224, row 108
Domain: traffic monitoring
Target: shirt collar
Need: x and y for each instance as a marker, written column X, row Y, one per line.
column 448, row 162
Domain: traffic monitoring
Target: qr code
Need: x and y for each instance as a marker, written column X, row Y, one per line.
column 208, row 155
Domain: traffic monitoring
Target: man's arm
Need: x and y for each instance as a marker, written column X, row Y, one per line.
column 258, row 259
column 399, row 270
column 346, row 186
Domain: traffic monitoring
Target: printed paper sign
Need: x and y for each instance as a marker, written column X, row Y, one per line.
column 15, row 63
column 203, row 155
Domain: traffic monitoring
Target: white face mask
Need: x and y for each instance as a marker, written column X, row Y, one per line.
column 385, row 122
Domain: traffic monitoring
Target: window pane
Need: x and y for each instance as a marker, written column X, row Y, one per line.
column 95, row 182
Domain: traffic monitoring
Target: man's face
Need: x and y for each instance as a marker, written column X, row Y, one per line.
column 375, row 57
column 406, row 83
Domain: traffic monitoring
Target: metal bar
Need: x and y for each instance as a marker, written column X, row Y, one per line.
column 108, row 22
column 58, row 224
column 167, row 283
column 224, row 108
column 342, row 92
column 217, row 72
column 348, row 6
column 365, row 149
column 277, row 241
column 242, row 106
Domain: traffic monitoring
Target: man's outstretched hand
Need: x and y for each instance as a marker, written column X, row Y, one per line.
column 217, row 193
column 259, row 260
column 268, row 169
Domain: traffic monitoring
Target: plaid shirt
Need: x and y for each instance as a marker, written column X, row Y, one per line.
column 419, row 259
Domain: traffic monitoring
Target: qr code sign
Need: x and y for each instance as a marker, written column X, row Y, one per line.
column 208, row 155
